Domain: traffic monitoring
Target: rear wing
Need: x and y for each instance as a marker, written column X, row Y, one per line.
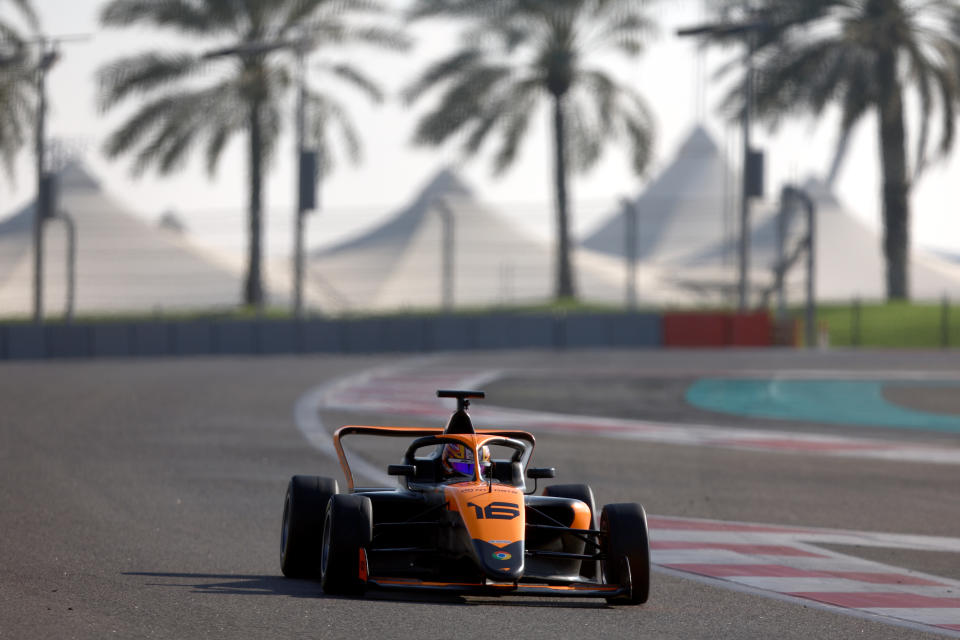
column 410, row 432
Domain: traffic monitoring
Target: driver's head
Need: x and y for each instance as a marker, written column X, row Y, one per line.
column 457, row 459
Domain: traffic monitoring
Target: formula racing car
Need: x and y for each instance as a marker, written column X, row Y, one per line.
column 462, row 520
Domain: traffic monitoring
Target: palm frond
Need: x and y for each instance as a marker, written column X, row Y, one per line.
column 165, row 129
column 141, row 74
column 328, row 116
column 512, row 104
column 25, row 7
column 608, row 112
column 628, row 34
column 15, row 119
column 357, row 79
column 201, row 18
column 422, row 9
column 460, row 103
column 515, row 124
column 584, row 142
column 442, row 71
column 383, row 37
column 936, row 77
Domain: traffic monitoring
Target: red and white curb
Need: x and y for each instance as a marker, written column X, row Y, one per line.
column 410, row 389
column 787, row 562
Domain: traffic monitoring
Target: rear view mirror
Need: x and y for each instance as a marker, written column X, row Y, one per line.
column 542, row 473
column 407, row 470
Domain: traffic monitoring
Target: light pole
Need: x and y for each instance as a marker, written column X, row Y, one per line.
column 630, row 215
column 447, row 240
column 752, row 179
column 48, row 57
column 306, row 161
column 43, row 209
column 301, row 133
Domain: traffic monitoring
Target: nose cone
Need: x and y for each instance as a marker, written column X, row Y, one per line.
column 503, row 564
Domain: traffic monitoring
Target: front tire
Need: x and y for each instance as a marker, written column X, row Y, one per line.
column 627, row 551
column 301, row 531
column 589, row 569
column 347, row 530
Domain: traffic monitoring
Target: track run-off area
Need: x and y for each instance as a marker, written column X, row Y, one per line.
column 143, row 499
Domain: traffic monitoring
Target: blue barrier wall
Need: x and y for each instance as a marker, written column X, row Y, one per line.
column 365, row 335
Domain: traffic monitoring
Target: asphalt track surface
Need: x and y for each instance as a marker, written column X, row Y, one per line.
column 142, row 499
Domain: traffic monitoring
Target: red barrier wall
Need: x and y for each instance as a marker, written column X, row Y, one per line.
column 717, row 330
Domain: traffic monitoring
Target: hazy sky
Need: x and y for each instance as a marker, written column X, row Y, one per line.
column 675, row 79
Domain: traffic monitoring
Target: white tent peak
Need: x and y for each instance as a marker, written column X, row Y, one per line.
column 445, row 185
column 75, row 177
column 820, row 192
column 72, row 178
column 683, row 210
column 698, row 143
column 123, row 263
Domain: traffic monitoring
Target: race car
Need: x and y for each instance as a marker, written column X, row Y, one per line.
column 462, row 520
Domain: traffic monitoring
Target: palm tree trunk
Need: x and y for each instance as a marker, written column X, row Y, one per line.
column 253, row 294
column 565, row 287
column 896, row 189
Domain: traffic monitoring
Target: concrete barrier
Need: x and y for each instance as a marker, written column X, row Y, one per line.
column 111, row 340
column 717, row 329
column 400, row 334
column 25, row 342
column 193, row 338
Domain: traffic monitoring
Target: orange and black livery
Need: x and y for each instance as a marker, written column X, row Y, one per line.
column 463, row 520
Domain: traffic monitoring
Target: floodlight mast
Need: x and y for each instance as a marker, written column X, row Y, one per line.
column 747, row 29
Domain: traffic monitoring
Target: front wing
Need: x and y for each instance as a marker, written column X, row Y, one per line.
column 489, row 588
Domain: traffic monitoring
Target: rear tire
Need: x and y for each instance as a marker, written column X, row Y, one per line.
column 582, row 492
column 301, row 532
column 627, row 550
column 348, row 528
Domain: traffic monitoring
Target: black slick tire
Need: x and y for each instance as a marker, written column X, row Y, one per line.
column 348, row 528
column 582, row 492
column 626, row 549
column 301, row 531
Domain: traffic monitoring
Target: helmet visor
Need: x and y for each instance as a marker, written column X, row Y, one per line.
column 461, row 467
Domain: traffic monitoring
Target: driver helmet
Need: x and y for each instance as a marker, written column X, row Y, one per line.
column 457, row 459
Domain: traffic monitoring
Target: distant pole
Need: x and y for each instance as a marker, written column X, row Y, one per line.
column 301, row 124
column 40, row 213
column 71, row 263
column 782, row 258
column 446, row 253
column 945, row 322
column 744, row 257
column 790, row 193
column 811, row 264
column 855, row 322
column 49, row 54
column 811, row 311
column 630, row 239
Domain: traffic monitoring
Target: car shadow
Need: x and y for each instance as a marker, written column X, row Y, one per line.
column 274, row 585
column 233, row 584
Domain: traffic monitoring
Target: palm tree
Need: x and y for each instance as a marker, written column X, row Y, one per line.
column 16, row 85
column 239, row 86
column 518, row 52
column 865, row 56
